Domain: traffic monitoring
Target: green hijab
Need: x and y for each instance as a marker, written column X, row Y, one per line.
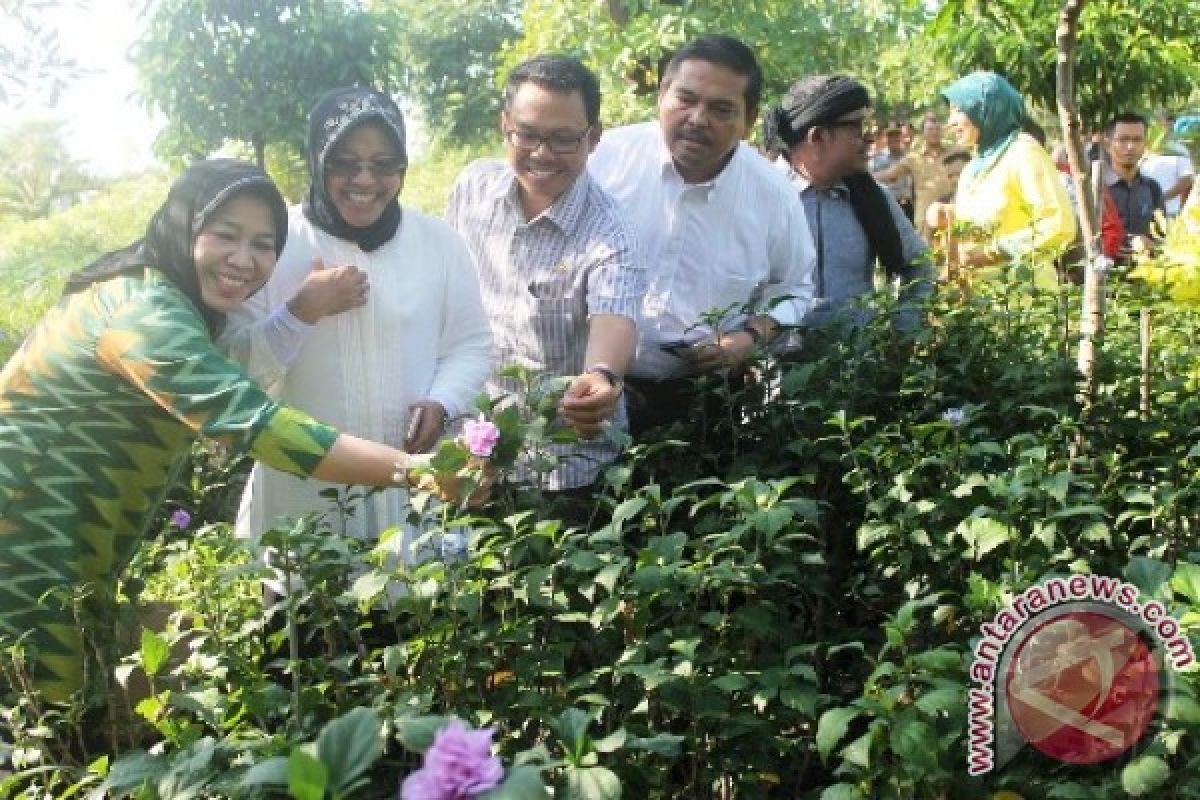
column 995, row 107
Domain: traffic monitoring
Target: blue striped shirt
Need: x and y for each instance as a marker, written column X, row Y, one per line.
column 542, row 279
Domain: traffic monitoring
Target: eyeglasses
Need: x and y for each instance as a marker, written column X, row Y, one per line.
column 379, row 168
column 859, row 126
column 564, row 144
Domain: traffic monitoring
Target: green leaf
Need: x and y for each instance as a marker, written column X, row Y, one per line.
column 832, row 727
column 154, row 651
column 608, row 744
column 272, row 772
column 842, row 791
column 983, row 535
column 858, row 752
column 938, row 660
column 349, row 746
column 732, row 682
column 592, row 783
column 938, row 700
column 416, row 733
column 1144, row 775
column 1148, row 574
column 307, row 777
column 1182, row 708
column 521, row 783
column 627, row 510
column 1186, row 581
column 913, row 740
column 572, row 726
column 664, row 744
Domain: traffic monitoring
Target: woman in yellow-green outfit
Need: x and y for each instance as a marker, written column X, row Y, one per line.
column 107, row 394
column 1010, row 188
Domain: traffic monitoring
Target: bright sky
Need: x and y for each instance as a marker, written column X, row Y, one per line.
column 105, row 128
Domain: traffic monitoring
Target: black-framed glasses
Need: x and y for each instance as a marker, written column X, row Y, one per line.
column 379, row 167
column 859, row 126
column 564, row 144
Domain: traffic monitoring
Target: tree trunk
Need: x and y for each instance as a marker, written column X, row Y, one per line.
column 260, row 151
column 1091, row 323
column 619, row 12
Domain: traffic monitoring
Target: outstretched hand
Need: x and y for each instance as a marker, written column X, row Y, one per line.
column 588, row 402
column 730, row 351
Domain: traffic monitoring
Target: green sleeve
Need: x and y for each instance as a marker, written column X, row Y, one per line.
column 158, row 344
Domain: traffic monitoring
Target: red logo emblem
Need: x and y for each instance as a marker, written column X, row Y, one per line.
column 1082, row 687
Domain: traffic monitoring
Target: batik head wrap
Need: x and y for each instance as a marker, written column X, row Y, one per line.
column 334, row 116
column 821, row 100
column 170, row 237
column 993, row 106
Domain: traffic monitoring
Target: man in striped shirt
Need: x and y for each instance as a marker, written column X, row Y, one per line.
column 558, row 265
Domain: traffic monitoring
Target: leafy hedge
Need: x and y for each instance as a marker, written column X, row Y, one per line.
column 776, row 599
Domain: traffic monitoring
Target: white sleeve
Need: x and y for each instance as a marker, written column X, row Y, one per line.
column 464, row 358
column 793, row 262
column 263, row 336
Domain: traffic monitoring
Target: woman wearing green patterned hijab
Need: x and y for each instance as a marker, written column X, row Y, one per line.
column 103, row 401
column 1010, row 192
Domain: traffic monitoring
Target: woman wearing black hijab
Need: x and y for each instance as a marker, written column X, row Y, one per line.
column 373, row 318
column 109, row 391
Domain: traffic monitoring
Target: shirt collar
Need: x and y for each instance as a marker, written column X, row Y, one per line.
column 711, row 186
column 1111, row 178
column 566, row 212
column 802, row 183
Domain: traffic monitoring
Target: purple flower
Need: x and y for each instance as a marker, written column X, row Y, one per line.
column 181, row 519
column 459, row 765
column 480, row 437
column 955, row 416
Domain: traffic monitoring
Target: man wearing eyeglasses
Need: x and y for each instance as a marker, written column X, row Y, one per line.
column 722, row 231
column 821, row 130
column 557, row 261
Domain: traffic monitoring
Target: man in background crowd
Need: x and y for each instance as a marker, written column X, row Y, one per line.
column 1137, row 196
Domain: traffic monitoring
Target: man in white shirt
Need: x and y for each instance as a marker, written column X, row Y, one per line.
column 1172, row 169
column 720, row 228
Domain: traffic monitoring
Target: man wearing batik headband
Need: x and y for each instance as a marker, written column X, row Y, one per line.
column 820, row 130
column 373, row 318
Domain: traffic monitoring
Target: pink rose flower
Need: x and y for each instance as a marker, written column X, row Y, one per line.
column 459, row 765
column 480, row 437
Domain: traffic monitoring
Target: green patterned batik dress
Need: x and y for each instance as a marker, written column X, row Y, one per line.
column 103, row 398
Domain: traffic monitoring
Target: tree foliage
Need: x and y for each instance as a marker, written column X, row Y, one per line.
column 1129, row 56
column 223, row 70
column 449, row 54
column 623, row 40
column 31, row 63
column 37, row 175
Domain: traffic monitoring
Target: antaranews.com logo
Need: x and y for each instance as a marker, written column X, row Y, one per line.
column 1075, row 667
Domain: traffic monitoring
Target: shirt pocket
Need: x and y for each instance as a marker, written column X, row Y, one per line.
column 556, row 291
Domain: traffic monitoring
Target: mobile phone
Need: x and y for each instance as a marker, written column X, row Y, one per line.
column 414, row 424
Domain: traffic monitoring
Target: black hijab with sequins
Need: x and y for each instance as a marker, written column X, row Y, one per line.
column 334, row 116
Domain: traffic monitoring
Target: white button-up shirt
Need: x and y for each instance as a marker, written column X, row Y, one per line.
column 738, row 240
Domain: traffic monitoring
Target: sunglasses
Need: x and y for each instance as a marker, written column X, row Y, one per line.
column 379, row 168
